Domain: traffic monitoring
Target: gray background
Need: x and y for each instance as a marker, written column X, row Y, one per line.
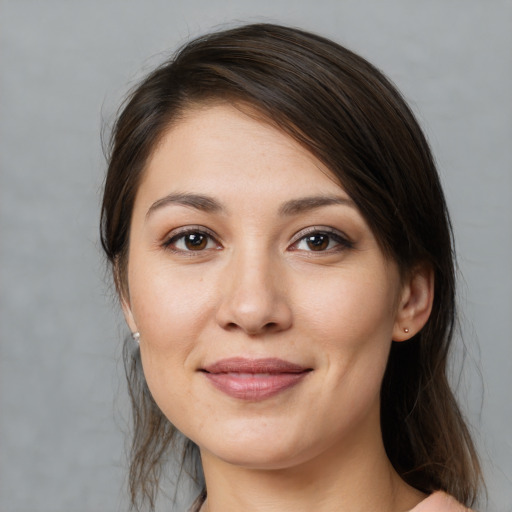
column 64, row 67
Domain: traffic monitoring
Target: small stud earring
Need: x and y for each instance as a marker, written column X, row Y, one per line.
column 406, row 329
column 136, row 336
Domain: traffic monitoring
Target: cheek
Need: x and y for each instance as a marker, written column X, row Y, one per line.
column 169, row 306
column 355, row 307
column 170, row 323
column 170, row 312
column 354, row 330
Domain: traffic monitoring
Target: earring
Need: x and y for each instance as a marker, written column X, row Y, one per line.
column 406, row 329
column 136, row 336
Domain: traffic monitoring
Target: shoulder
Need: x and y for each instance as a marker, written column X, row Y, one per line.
column 440, row 502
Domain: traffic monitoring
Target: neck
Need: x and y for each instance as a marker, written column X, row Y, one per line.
column 355, row 476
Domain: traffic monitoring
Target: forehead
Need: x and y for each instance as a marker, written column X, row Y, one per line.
column 221, row 149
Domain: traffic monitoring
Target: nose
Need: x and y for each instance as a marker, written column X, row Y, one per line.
column 254, row 296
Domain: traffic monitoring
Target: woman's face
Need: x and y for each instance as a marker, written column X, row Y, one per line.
column 265, row 306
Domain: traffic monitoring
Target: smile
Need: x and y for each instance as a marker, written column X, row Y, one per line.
column 254, row 379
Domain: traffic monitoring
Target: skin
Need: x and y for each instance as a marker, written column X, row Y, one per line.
column 254, row 287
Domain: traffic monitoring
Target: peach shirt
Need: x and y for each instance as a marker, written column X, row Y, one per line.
column 440, row 502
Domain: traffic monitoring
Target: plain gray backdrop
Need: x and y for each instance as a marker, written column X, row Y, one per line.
column 65, row 66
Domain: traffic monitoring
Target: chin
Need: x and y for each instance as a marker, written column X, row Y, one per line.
column 264, row 449
column 265, row 458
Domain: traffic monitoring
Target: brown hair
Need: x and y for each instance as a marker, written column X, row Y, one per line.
column 347, row 114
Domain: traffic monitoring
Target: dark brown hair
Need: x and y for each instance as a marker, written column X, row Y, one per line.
column 347, row 114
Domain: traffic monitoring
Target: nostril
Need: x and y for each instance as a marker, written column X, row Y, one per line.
column 266, row 328
column 253, row 330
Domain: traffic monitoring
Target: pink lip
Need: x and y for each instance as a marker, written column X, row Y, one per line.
column 254, row 379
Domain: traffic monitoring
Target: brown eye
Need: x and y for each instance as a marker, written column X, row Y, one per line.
column 191, row 241
column 317, row 241
column 322, row 241
column 195, row 241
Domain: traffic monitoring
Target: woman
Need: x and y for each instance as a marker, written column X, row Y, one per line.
column 283, row 254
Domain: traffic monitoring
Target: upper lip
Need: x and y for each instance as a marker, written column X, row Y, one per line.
column 269, row 365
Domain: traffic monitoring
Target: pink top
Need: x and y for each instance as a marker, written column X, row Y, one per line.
column 436, row 502
column 440, row 502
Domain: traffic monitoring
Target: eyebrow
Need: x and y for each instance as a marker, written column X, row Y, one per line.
column 209, row 205
column 197, row 201
column 305, row 204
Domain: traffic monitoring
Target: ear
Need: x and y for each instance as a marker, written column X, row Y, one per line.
column 415, row 303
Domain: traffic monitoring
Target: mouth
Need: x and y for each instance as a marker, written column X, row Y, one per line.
column 254, row 379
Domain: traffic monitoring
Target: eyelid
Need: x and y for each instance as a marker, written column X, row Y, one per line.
column 177, row 233
column 341, row 237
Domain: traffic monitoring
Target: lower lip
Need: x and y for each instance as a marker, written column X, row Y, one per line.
column 254, row 387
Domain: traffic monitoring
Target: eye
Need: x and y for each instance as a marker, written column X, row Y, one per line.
column 191, row 240
column 321, row 240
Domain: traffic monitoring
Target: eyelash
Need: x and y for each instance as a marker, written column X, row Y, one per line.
column 341, row 240
column 169, row 244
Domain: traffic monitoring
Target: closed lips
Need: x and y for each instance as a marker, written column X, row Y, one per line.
column 254, row 379
column 253, row 366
